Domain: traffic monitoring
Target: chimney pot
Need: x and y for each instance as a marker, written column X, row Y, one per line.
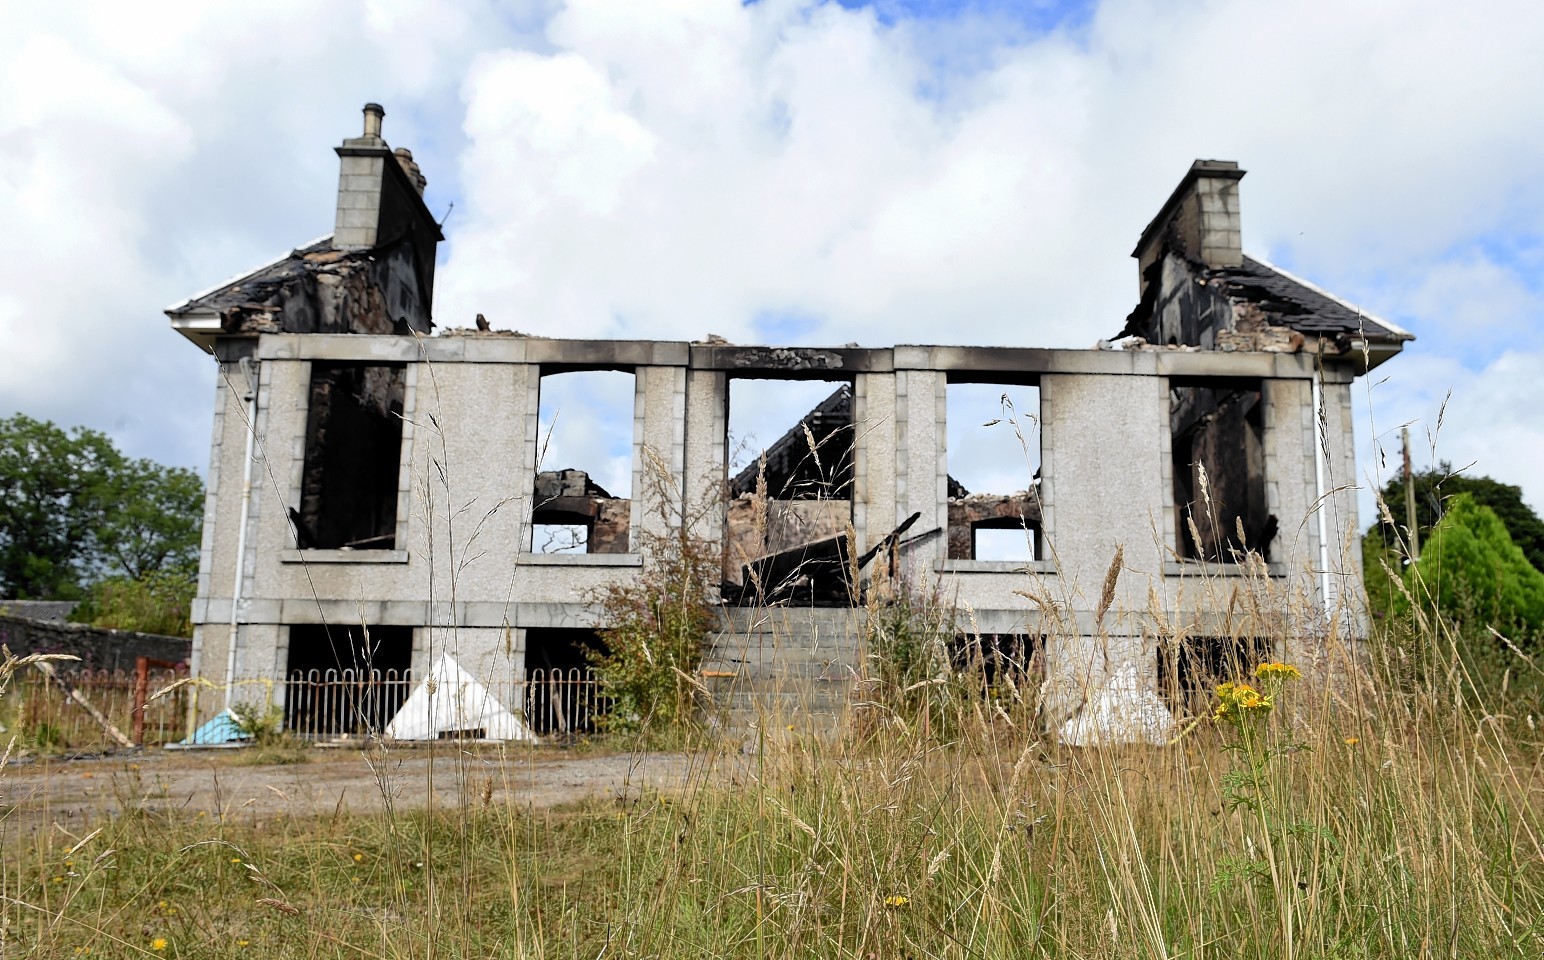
column 374, row 114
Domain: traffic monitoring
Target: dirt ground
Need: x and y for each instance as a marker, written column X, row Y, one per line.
column 224, row 783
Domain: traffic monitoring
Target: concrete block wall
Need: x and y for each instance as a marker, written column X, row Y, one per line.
column 462, row 573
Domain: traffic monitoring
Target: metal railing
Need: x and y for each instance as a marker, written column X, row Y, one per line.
column 331, row 704
column 40, row 713
column 315, row 705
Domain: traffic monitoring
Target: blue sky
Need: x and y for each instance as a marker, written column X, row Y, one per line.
column 810, row 172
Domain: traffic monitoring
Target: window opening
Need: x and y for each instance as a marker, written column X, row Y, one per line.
column 790, row 499
column 1001, row 660
column 1218, row 427
column 353, row 455
column 993, row 436
column 346, row 680
column 562, row 696
column 582, row 499
column 1190, row 669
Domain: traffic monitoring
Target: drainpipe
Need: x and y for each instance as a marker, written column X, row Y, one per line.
column 1318, row 483
column 249, row 372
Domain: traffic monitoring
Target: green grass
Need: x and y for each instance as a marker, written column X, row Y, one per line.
column 1418, row 837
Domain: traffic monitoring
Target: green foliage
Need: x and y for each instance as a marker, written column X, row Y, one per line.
column 158, row 602
column 659, row 627
column 1435, row 488
column 1383, row 567
column 908, row 641
column 73, row 510
column 1471, row 571
column 934, row 675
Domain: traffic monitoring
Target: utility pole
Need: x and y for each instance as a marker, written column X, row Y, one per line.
column 1415, row 530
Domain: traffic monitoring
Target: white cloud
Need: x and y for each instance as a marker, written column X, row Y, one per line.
column 669, row 169
column 146, row 153
column 1484, row 421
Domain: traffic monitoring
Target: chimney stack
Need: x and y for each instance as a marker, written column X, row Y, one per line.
column 374, row 114
column 381, row 206
column 1199, row 220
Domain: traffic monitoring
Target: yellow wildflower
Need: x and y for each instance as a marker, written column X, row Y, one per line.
column 1353, row 741
column 1248, row 698
column 235, row 859
column 1285, row 671
column 159, row 943
column 897, row 901
column 359, row 858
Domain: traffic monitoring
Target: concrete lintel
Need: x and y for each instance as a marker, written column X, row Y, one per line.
column 1197, row 568
column 996, row 567
column 580, row 560
column 601, row 354
column 1007, row 621
column 570, row 615
column 343, row 556
column 337, row 614
column 1206, row 363
column 791, row 363
column 494, row 349
column 1004, row 364
column 336, row 346
column 442, row 349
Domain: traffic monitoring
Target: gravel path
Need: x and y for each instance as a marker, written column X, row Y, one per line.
column 216, row 783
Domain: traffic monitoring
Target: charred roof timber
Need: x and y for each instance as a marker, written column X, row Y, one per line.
column 374, row 275
column 1199, row 289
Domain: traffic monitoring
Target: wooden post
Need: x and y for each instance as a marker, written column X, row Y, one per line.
column 1410, row 514
column 74, row 694
column 142, row 666
column 141, row 691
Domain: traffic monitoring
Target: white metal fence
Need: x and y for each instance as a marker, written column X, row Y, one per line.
column 316, row 705
column 327, row 704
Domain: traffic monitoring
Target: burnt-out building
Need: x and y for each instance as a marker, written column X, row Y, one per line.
column 371, row 470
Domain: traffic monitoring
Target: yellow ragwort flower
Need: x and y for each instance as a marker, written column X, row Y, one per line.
column 897, row 901
column 159, row 943
column 1248, row 698
column 1283, row 670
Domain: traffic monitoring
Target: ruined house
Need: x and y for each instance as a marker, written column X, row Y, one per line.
column 374, row 491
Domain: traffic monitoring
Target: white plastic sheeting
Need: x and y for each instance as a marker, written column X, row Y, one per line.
column 458, row 707
column 1120, row 712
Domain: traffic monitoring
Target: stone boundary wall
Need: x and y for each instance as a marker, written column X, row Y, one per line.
column 98, row 648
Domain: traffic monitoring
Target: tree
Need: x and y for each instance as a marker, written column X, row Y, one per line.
column 75, row 511
column 1471, row 571
column 1435, row 487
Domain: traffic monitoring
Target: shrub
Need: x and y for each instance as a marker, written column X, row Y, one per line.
column 658, row 623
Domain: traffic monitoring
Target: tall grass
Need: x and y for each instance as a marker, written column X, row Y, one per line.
column 1407, row 826
column 1392, row 810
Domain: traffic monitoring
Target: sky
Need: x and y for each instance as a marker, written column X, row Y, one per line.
column 781, row 171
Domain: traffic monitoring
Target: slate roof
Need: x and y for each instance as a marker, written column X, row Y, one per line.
column 259, row 285
column 1303, row 306
column 49, row 611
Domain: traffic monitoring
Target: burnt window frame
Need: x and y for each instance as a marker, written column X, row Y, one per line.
column 534, row 445
column 1041, row 527
column 780, row 568
column 301, row 527
column 1189, row 668
column 1261, row 531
